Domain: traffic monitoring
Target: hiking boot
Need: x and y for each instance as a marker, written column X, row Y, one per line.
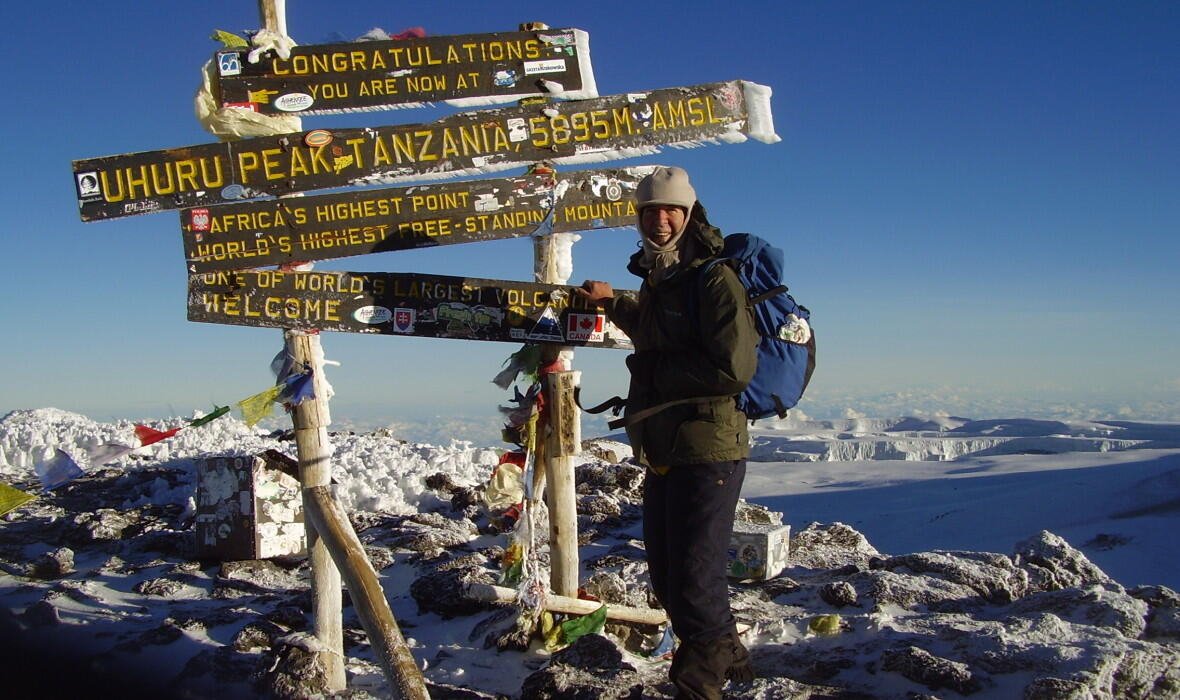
column 699, row 668
column 740, row 670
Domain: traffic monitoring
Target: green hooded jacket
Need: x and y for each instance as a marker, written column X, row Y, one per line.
column 675, row 357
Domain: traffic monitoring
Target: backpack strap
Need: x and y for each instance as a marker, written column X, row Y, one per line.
column 769, row 294
column 615, row 403
column 633, row 418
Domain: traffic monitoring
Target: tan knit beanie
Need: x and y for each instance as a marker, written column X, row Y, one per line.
column 666, row 186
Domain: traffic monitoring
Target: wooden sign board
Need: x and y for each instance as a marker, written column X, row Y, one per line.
column 468, row 143
column 368, row 75
column 373, row 220
column 388, row 303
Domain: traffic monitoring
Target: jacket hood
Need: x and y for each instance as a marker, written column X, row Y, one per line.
column 707, row 236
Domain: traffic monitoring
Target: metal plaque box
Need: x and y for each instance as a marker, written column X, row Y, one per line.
column 758, row 551
column 249, row 507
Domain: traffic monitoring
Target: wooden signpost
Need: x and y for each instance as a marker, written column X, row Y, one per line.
column 229, row 242
column 327, row 226
column 368, row 75
column 467, row 143
column 387, row 303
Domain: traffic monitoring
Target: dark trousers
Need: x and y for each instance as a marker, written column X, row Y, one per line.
column 687, row 523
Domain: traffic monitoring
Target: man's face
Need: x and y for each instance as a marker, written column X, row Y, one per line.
column 662, row 221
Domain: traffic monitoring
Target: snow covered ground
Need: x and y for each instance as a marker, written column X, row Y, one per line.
column 1110, row 489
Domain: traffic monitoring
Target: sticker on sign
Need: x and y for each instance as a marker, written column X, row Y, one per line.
column 556, row 65
column 585, row 328
column 294, row 102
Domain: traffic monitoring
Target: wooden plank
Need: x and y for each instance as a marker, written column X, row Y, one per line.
column 373, row 220
column 468, row 143
column 364, row 589
column 566, row 604
column 367, row 75
column 388, row 303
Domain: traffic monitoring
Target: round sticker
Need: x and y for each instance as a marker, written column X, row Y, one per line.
column 233, row 192
column 372, row 314
column 319, row 137
column 294, row 102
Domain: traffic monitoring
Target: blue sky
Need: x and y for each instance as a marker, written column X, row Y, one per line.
column 980, row 202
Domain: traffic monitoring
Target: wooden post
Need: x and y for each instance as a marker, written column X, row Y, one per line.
column 563, row 441
column 274, row 15
column 367, row 596
column 311, row 420
column 557, row 466
column 313, row 448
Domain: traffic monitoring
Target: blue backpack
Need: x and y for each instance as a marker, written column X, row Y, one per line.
column 786, row 349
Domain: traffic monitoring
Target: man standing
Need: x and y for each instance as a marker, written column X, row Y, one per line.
column 695, row 351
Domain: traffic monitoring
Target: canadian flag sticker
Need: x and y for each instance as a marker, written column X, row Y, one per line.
column 585, row 328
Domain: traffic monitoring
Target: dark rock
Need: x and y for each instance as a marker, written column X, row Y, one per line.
column 1052, row 564
column 298, row 673
column 790, row 689
column 290, row 617
column 257, row 636
column 598, row 504
column 53, row 565
column 443, row 691
column 589, row 669
column 838, row 593
column 431, row 541
column 920, row 666
column 591, row 652
column 611, row 588
column 1156, row 596
column 509, row 628
column 801, row 663
column 363, row 521
column 41, row 614
column 756, row 514
column 165, row 634
column 464, row 497
column 1103, row 606
column 1057, row 689
column 162, row 587
column 624, row 481
column 168, row 543
column 103, row 524
column 1163, row 622
column 776, row 587
column 991, row 576
column 214, row 673
column 441, row 482
column 379, row 557
column 910, row 590
column 609, row 451
column 830, row 546
column 442, row 592
column 259, row 575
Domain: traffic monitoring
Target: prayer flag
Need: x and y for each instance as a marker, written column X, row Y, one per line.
column 108, row 452
column 297, row 388
column 259, row 406
column 209, row 418
column 11, row 499
column 57, row 470
column 148, row 436
column 586, row 624
column 281, row 364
